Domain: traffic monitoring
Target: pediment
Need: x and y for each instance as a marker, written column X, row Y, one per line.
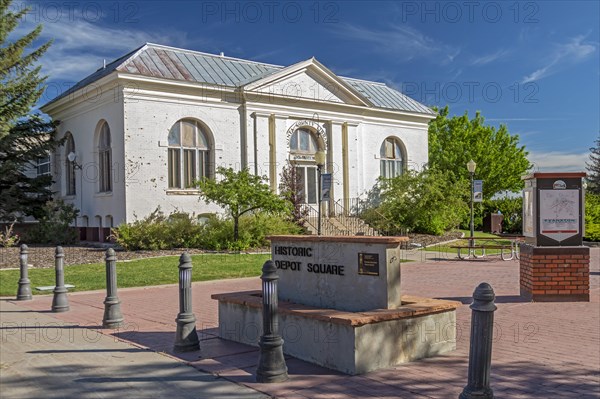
column 308, row 80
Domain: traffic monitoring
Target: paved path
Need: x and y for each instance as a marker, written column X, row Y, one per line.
column 541, row 350
column 45, row 357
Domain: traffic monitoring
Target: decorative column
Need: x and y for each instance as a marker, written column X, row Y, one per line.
column 113, row 318
column 271, row 363
column 480, row 350
column 186, row 338
column 24, row 291
column 60, row 302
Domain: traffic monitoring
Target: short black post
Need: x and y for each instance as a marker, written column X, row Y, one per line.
column 24, row 291
column 113, row 318
column 60, row 302
column 271, row 363
column 186, row 338
column 480, row 351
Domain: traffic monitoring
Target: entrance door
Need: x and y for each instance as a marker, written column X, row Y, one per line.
column 308, row 178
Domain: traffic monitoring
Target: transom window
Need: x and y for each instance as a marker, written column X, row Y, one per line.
column 69, row 166
column 303, row 141
column 189, row 154
column 392, row 160
column 104, row 158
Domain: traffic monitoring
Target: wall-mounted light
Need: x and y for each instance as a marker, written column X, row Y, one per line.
column 72, row 157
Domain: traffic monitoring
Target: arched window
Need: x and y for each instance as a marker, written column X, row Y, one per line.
column 189, row 153
column 303, row 141
column 104, row 159
column 392, row 158
column 69, row 166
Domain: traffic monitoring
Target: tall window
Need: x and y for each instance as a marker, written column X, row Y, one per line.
column 43, row 166
column 69, row 166
column 189, row 154
column 392, row 162
column 303, row 146
column 104, row 159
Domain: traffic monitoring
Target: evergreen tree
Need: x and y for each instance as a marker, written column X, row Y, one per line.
column 593, row 168
column 23, row 137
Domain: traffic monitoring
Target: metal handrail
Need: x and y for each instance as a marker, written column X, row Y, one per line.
column 357, row 208
column 327, row 228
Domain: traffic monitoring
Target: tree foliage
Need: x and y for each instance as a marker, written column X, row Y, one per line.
column 54, row 224
column 425, row 202
column 592, row 217
column 500, row 160
column 23, row 137
column 593, row 168
column 239, row 193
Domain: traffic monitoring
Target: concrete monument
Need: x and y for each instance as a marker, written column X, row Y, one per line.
column 340, row 306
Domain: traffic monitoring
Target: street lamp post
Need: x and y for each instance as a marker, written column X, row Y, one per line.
column 471, row 165
column 320, row 160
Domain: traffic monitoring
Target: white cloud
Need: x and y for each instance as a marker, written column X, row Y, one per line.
column 555, row 161
column 570, row 53
column 80, row 46
column 488, row 58
column 401, row 42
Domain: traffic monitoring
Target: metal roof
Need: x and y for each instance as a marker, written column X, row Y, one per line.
column 178, row 64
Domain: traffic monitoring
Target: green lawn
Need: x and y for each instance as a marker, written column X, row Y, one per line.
column 140, row 273
column 453, row 251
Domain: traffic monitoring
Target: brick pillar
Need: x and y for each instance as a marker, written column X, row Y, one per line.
column 555, row 273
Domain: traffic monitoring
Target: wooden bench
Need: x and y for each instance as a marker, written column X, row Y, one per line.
column 512, row 248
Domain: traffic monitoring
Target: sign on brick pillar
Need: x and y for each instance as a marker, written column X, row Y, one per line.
column 554, row 265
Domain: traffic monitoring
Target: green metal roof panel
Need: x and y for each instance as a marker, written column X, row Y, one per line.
column 178, row 64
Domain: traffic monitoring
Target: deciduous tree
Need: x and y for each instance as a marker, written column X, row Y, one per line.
column 501, row 161
column 239, row 193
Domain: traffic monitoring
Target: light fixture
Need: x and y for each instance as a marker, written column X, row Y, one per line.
column 72, row 157
column 320, row 158
column 471, row 165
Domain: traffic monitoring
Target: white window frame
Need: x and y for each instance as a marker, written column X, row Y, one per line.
column 391, row 163
column 188, row 163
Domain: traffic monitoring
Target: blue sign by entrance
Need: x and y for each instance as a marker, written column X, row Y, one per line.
column 325, row 186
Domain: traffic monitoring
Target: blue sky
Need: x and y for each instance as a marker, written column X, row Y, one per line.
column 532, row 65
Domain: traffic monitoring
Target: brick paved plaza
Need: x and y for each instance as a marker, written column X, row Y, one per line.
column 541, row 350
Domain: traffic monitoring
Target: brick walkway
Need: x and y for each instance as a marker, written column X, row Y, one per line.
column 542, row 350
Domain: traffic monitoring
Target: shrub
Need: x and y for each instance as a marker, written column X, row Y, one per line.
column 512, row 212
column 158, row 231
column 423, row 202
column 53, row 225
column 8, row 238
column 592, row 217
column 181, row 230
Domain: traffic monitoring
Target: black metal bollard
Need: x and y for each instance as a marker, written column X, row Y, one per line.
column 24, row 291
column 186, row 338
column 113, row 318
column 271, row 363
column 60, row 302
column 480, row 350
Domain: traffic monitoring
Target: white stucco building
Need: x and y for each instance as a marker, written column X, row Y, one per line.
column 148, row 124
